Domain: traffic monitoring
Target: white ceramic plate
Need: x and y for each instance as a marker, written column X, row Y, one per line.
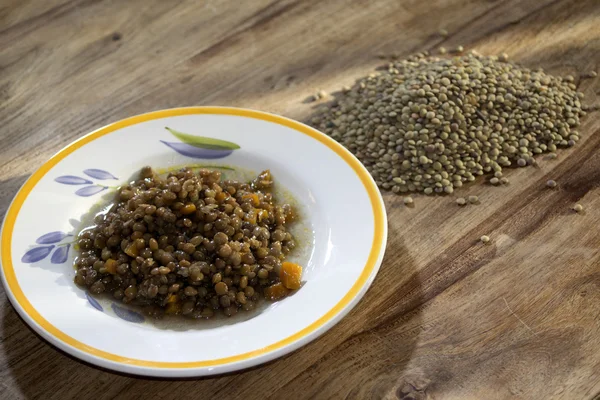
column 341, row 205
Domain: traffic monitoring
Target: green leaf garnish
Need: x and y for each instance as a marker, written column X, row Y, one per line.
column 203, row 142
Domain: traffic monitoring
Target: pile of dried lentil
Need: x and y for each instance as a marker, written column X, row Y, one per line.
column 190, row 244
column 430, row 124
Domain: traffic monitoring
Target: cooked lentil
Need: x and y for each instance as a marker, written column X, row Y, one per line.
column 189, row 244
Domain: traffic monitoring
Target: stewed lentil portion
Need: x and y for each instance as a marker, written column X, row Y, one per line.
column 191, row 243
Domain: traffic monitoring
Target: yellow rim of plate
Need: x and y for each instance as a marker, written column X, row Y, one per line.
column 11, row 215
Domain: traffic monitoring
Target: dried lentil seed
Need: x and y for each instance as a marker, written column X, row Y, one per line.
column 488, row 114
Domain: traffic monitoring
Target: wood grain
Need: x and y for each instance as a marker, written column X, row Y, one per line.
column 446, row 318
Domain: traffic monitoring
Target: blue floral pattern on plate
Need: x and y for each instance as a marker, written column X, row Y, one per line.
column 93, row 302
column 194, row 152
column 126, row 314
column 53, row 241
column 61, row 254
column 37, row 254
column 99, row 174
column 91, row 188
column 121, row 312
column 200, row 146
column 52, row 237
column 72, row 180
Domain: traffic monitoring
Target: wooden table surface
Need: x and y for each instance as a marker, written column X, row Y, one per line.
column 446, row 318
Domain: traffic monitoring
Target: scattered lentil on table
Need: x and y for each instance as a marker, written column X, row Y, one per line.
column 431, row 124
